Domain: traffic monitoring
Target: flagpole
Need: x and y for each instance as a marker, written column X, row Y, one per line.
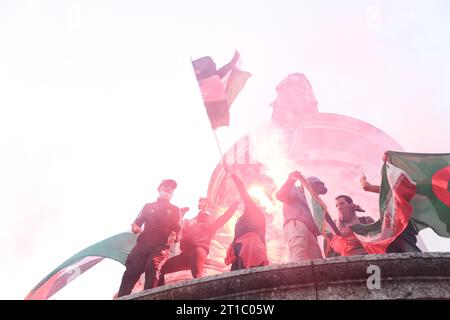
column 218, row 144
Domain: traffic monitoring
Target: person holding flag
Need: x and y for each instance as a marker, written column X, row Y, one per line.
column 407, row 240
column 420, row 185
column 219, row 88
column 414, row 195
column 347, row 243
column 299, row 228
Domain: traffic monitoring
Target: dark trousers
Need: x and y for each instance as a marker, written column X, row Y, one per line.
column 405, row 242
column 143, row 259
column 238, row 263
column 193, row 259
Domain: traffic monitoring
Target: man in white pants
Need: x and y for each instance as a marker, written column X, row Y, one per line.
column 299, row 228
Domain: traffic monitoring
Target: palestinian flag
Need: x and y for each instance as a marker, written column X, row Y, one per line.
column 116, row 247
column 323, row 221
column 415, row 187
column 319, row 209
column 316, row 210
column 219, row 88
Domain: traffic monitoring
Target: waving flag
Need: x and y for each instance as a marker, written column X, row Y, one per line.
column 414, row 186
column 219, row 88
column 116, row 248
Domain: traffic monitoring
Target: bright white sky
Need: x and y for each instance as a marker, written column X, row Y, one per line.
column 98, row 103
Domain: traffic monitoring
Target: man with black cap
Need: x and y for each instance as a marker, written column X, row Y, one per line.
column 161, row 219
column 299, row 228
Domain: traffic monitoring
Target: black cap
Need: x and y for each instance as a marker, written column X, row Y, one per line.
column 317, row 185
column 313, row 179
column 169, row 182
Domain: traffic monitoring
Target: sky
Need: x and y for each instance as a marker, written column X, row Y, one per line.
column 98, row 103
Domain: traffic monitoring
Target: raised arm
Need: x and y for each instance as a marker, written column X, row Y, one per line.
column 220, row 221
column 224, row 70
column 242, row 190
column 252, row 211
column 367, row 186
column 284, row 194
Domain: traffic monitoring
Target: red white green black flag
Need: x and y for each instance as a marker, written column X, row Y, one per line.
column 219, row 88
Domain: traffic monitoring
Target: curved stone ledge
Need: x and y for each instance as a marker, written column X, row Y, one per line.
column 403, row 276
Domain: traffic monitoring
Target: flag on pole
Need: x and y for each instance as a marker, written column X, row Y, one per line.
column 321, row 215
column 317, row 211
column 415, row 187
column 219, row 88
column 322, row 218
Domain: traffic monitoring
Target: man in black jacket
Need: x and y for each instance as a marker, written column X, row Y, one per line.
column 161, row 219
column 196, row 240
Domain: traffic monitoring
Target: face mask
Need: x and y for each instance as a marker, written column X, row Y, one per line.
column 165, row 195
column 347, row 214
